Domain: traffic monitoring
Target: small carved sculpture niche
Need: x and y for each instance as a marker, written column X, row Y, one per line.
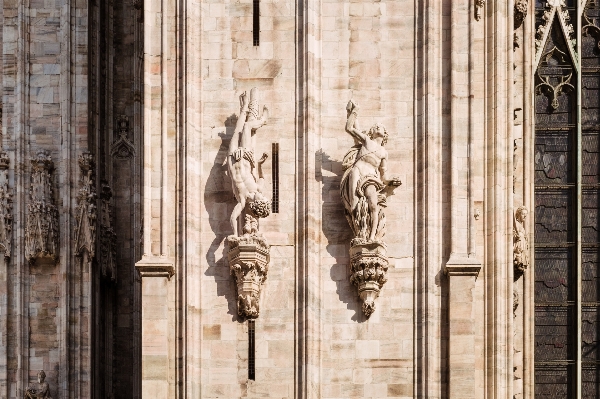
column 520, row 242
column 41, row 229
column 249, row 252
column 362, row 190
column 40, row 389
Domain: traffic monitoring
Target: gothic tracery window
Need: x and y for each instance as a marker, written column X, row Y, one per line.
column 567, row 177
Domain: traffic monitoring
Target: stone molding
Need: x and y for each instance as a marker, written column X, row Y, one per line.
column 86, row 211
column 41, row 230
column 156, row 266
column 462, row 266
column 6, row 207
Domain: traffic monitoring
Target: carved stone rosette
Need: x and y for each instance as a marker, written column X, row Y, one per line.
column 41, row 229
column 368, row 268
column 6, row 206
column 86, row 212
column 108, row 237
column 249, row 263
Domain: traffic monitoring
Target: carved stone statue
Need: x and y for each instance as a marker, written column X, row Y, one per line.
column 248, row 253
column 520, row 242
column 365, row 178
column 362, row 191
column 39, row 390
column 245, row 173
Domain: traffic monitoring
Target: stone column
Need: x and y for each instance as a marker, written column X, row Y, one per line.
column 462, row 267
column 158, row 328
column 462, row 354
column 157, row 266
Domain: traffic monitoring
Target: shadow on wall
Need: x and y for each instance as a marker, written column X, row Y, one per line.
column 338, row 233
column 219, row 202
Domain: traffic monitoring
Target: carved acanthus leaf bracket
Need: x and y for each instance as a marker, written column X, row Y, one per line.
column 108, row 238
column 248, row 257
column 41, row 229
column 479, row 4
column 86, row 212
column 368, row 268
column 122, row 147
column 6, row 207
column 520, row 243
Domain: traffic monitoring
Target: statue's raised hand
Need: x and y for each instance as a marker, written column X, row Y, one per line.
column 243, row 101
column 263, row 158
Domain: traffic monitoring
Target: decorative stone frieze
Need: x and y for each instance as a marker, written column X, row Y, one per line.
column 520, row 242
column 249, row 253
column 41, row 230
column 364, row 193
column 108, row 237
column 86, row 211
column 6, row 207
column 40, row 389
column 122, row 147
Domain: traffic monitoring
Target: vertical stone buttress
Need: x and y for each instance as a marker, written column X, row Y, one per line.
column 160, row 212
column 45, row 99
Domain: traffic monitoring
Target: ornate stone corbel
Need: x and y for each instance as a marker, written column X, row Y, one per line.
column 108, row 237
column 364, row 193
column 41, row 229
column 520, row 243
column 86, row 212
column 248, row 253
column 6, row 207
column 122, row 148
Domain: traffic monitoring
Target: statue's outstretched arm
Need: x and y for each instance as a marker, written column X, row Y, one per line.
column 239, row 126
column 352, row 124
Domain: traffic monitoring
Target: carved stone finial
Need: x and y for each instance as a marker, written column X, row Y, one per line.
column 41, row 230
column 39, row 390
column 108, row 238
column 520, row 243
column 6, row 207
column 479, row 4
column 86, row 212
column 364, row 191
column 520, row 12
column 249, row 253
column 122, row 148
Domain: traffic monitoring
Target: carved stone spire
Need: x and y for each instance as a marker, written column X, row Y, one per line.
column 108, row 237
column 6, row 218
column 41, row 230
column 85, row 234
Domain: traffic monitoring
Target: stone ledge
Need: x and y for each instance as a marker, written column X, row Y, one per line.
column 156, row 266
column 459, row 265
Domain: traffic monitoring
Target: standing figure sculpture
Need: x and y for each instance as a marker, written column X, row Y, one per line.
column 248, row 253
column 39, row 390
column 364, row 180
column 246, row 174
column 520, row 242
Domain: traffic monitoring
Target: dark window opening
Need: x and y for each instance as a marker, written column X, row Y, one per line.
column 256, row 22
column 275, row 175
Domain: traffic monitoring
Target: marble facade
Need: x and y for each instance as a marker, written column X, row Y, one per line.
column 116, row 198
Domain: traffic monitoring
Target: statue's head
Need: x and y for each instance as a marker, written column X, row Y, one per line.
column 41, row 376
column 253, row 105
column 521, row 214
column 378, row 130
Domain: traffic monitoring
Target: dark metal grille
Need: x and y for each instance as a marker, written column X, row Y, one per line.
column 251, row 350
column 256, row 22
column 275, row 175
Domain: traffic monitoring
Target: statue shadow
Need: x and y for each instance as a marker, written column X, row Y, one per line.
column 338, row 233
column 219, row 202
